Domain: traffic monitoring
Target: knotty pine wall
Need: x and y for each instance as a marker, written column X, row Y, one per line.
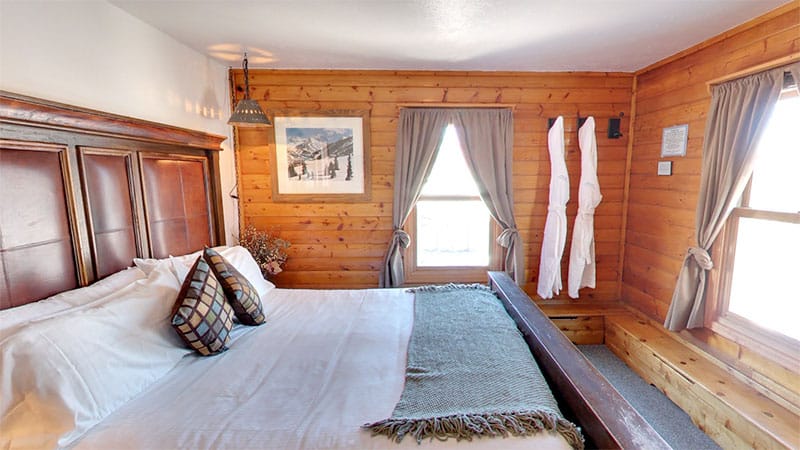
column 661, row 210
column 342, row 245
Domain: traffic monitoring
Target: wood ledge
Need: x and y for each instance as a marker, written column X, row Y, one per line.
column 562, row 309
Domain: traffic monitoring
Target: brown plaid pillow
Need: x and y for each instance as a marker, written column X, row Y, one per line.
column 201, row 316
column 240, row 293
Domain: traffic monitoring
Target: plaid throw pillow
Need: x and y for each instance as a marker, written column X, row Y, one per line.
column 201, row 316
column 240, row 293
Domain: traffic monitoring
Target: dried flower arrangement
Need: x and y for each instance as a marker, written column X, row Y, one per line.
column 268, row 250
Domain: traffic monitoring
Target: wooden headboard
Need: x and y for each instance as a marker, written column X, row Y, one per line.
column 84, row 192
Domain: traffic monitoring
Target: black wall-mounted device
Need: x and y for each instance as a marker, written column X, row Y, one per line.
column 613, row 129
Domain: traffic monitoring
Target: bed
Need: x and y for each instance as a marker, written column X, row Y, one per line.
column 89, row 192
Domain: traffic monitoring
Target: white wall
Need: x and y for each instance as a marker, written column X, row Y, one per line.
column 95, row 55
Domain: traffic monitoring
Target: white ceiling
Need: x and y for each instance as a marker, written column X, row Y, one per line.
column 525, row 35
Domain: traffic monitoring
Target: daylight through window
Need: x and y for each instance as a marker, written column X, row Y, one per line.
column 765, row 229
column 452, row 223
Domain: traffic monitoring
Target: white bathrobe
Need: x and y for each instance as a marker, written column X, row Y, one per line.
column 555, row 227
column 581, row 258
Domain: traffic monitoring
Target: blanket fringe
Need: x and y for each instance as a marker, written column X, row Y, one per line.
column 450, row 287
column 465, row 426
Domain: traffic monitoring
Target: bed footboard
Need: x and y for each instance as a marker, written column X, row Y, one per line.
column 607, row 419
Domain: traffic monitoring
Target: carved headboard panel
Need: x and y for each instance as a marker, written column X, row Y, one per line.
column 178, row 210
column 84, row 192
column 36, row 247
column 106, row 183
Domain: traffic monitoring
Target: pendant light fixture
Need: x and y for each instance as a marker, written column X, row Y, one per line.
column 248, row 113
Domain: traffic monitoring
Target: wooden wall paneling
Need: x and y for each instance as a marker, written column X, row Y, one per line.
column 581, row 330
column 353, row 236
column 37, row 245
column 661, row 209
column 109, row 195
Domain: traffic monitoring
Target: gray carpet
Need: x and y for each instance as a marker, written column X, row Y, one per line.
column 665, row 417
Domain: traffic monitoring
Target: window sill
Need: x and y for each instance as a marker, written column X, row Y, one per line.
column 735, row 331
column 429, row 275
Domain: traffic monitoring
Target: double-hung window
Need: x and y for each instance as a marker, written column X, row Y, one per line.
column 452, row 233
column 757, row 298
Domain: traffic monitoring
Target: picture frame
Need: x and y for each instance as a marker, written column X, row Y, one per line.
column 674, row 140
column 321, row 156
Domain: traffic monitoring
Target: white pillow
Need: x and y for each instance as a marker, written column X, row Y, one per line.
column 181, row 267
column 59, row 377
column 148, row 264
column 238, row 256
column 243, row 261
column 13, row 318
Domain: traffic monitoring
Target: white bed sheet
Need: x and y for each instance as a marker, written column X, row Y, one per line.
column 325, row 363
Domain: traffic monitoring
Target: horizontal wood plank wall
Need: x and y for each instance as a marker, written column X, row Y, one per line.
column 661, row 215
column 661, row 209
column 341, row 245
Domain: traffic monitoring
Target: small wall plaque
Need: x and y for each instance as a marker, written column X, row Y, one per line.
column 673, row 140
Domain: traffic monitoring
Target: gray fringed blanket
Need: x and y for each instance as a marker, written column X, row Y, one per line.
column 470, row 373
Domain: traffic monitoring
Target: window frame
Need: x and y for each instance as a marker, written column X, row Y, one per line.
column 772, row 344
column 416, row 274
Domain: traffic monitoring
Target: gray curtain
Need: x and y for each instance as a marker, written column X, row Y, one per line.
column 419, row 135
column 487, row 137
column 739, row 110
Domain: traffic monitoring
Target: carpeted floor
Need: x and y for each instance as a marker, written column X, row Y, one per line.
column 665, row 417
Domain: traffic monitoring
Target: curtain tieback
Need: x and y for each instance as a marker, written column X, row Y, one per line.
column 701, row 257
column 402, row 238
column 506, row 235
column 557, row 208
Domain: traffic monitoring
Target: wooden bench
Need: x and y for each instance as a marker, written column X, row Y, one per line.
column 734, row 413
column 731, row 408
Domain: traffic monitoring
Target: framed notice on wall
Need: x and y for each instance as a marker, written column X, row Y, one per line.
column 673, row 140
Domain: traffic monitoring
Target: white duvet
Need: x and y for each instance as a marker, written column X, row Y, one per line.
column 325, row 363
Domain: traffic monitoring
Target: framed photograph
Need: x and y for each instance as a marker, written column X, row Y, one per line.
column 673, row 140
column 321, row 156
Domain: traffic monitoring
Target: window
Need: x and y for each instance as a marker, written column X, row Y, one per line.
column 760, row 247
column 452, row 233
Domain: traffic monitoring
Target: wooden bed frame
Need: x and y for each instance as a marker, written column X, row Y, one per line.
column 86, row 191
column 585, row 396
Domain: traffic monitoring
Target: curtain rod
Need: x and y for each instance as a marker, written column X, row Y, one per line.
column 512, row 106
column 794, row 57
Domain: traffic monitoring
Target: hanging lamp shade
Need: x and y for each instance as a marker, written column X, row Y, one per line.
column 248, row 112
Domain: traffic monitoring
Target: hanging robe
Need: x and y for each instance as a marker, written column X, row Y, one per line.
column 555, row 227
column 581, row 257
